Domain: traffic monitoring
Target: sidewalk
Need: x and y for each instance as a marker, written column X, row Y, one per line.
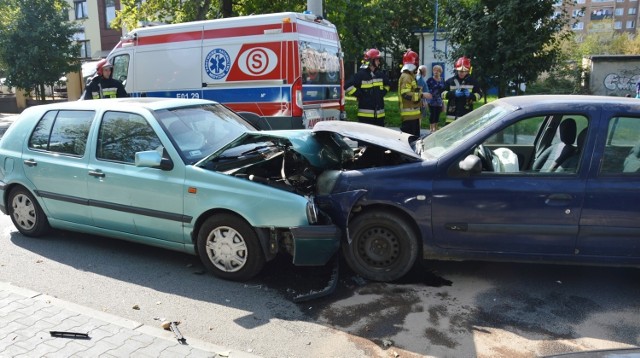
column 27, row 317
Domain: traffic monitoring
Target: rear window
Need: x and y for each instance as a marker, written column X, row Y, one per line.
column 64, row 132
column 320, row 63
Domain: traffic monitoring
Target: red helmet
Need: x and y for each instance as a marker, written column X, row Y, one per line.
column 372, row 54
column 410, row 58
column 102, row 64
column 463, row 64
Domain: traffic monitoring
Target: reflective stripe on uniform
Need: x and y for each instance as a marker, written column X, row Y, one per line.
column 370, row 113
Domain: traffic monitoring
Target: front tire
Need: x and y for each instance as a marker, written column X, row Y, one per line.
column 26, row 213
column 384, row 246
column 229, row 248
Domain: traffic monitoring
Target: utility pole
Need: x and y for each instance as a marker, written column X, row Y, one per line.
column 315, row 6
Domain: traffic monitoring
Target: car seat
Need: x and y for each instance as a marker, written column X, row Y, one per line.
column 571, row 163
column 632, row 161
column 556, row 154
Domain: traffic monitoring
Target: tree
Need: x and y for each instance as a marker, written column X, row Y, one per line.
column 36, row 43
column 508, row 41
column 133, row 13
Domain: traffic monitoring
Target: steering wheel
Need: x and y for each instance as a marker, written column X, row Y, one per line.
column 486, row 157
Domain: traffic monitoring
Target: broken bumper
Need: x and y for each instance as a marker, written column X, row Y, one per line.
column 315, row 245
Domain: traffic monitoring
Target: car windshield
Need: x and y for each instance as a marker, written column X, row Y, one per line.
column 448, row 138
column 201, row 130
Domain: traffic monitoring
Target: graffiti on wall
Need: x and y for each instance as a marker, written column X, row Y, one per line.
column 621, row 81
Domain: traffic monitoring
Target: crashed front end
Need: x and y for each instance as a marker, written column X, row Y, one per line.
column 310, row 163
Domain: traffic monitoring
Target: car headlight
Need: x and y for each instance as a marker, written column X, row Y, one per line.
column 312, row 212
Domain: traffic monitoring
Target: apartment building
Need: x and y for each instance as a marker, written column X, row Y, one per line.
column 97, row 38
column 603, row 15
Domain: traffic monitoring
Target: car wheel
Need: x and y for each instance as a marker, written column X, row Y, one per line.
column 229, row 248
column 383, row 246
column 26, row 213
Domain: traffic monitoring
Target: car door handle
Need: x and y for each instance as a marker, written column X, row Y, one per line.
column 558, row 199
column 30, row 162
column 96, row 173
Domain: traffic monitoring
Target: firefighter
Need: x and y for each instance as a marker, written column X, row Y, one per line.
column 103, row 85
column 369, row 85
column 461, row 90
column 410, row 95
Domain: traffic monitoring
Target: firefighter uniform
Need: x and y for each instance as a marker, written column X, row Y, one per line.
column 369, row 85
column 409, row 95
column 461, row 90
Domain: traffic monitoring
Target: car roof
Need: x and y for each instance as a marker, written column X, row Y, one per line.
column 149, row 103
column 529, row 100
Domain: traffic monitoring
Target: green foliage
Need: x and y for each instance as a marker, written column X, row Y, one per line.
column 36, row 43
column 507, row 40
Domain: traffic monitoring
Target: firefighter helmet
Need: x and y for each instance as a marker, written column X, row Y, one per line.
column 372, row 54
column 102, row 64
column 409, row 60
column 463, row 64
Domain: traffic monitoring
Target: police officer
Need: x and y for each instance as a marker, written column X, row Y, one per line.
column 410, row 95
column 103, row 85
column 461, row 90
column 369, row 85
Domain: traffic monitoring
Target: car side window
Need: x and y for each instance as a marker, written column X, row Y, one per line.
column 63, row 132
column 522, row 132
column 123, row 134
column 622, row 147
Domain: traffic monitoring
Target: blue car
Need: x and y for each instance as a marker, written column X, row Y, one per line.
column 127, row 168
column 550, row 179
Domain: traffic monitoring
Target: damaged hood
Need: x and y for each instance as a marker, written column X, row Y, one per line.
column 384, row 137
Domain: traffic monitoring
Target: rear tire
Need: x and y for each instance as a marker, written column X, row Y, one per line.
column 384, row 246
column 26, row 213
column 229, row 248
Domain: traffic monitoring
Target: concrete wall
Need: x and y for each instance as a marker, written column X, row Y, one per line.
column 612, row 75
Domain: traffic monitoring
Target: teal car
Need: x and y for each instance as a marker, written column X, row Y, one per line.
column 130, row 168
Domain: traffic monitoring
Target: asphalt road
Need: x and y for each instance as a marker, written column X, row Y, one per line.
column 448, row 310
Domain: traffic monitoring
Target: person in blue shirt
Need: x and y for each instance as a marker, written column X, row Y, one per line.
column 435, row 84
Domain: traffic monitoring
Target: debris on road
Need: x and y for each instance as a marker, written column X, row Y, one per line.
column 62, row 334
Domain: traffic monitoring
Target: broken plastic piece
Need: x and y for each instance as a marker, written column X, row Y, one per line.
column 174, row 328
column 62, row 334
column 329, row 289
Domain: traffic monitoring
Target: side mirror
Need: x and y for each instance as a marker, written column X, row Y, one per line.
column 471, row 164
column 152, row 159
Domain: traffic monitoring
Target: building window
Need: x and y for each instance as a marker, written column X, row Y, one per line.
column 617, row 25
column 619, row 0
column 578, row 25
column 577, row 13
column 85, row 47
column 619, row 12
column 632, row 11
column 109, row 12
column 80, row 7
column 631, row 24
column 580, row 1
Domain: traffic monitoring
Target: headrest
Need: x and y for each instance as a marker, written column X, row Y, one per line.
column 568, row 131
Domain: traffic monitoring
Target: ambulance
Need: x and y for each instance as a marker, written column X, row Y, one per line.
column 283, row 69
